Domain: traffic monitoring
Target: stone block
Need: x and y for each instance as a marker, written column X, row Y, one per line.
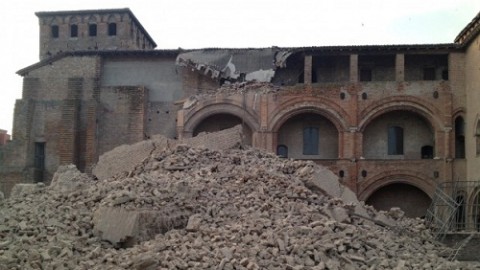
column 125, row 228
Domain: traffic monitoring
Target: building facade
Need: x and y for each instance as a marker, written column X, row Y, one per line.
column 392, row 122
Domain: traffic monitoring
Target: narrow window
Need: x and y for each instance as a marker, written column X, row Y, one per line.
column 92, row 30
column 429, row 74
column 55, row 31
column 112, row 29
column 282, row 151
column 445, row 74
column 460, row 213
column 459, row 138
column 365, row 75
column 39, row 161
column 314, row 76
column 310, row 141
column 73, row 30
column 395, row 140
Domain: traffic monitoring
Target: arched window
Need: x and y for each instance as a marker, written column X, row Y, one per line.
column 310, row 141
column 73, row 30
column 395, row 140
column 92, row 30
column 112, row 29
column 459, row 137
column 282, row 151
column 55, row 32
column 476, row 212
column 73, row 27
column 460, row 213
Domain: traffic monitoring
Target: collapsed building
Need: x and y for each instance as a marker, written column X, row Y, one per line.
column 392, row 121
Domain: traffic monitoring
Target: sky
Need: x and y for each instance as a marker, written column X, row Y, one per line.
column 190, row 24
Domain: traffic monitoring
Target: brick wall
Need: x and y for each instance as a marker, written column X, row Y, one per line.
column 4, row 137
column 129, row 36
column 122, row 119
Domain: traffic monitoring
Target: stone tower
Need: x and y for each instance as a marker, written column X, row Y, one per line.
column 88, row 30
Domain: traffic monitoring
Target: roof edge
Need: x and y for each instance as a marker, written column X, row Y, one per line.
column 50, row 60
column 469, row 31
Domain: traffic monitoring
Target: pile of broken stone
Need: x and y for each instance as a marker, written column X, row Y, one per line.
column 197, row 208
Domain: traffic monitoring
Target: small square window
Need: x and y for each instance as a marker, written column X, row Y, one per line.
column 73, row 30
column 112, row 29
column 55, row 31
column 92, row 30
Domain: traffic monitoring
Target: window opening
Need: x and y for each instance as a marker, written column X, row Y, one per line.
column 282, row 151
column 365, row 75
column 73, row 30
column 459, row 138
column 39, row 161
column 55, row 32
column 476, row 212
column 112, row 29
column 460, row 213
column 427, row 152
column 445, row 74
column 92, row 30
column 314, row 76
column 395, row 140
column 310, row 141
column 429, row 74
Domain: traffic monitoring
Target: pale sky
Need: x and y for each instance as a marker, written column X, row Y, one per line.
column 237, row 24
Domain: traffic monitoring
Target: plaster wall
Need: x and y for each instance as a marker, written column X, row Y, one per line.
column 472, row 79
column 416, row 133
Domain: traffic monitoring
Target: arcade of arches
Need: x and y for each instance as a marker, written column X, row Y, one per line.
column 393, row 140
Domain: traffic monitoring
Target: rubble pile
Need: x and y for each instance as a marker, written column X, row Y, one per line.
column 196, row 208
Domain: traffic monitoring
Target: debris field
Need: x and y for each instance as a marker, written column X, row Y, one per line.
column 184, row 206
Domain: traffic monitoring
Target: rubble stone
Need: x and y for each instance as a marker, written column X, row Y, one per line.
column 183, row 207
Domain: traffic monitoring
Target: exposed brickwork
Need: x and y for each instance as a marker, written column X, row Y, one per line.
column 129, row 34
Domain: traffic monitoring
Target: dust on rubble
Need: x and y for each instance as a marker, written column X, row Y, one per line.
column 186, row 207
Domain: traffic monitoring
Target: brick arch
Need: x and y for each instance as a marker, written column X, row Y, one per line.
column 458, row 112
column 418, row 180
column 423, row 108
column 334, row 113
column 203, row 111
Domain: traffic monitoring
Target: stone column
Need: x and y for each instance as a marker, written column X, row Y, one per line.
column 400, row 67
column 354, row 68
column 307, row 72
